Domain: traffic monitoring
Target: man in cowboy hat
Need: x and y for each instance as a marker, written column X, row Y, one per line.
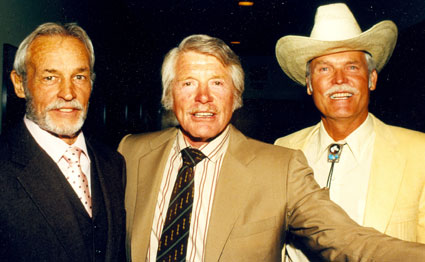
column 373, row 170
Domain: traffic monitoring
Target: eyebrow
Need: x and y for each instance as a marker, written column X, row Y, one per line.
column 325, row 62
column 78, row 70
column 82, row 69
column 353, row 62
column 50, row 70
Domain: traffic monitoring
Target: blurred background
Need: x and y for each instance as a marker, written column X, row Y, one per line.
column 131, row 37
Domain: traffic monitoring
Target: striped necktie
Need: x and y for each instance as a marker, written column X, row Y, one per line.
column 175, row 234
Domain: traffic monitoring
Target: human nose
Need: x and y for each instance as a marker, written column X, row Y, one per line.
column 339, row 76
column 203, row 94
column 67, row 91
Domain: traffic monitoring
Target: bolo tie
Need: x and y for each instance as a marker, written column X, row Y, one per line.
column 334, row 154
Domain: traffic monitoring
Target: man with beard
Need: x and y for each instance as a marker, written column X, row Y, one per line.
column 205, row 192
column 372, row 170
column 61, row 196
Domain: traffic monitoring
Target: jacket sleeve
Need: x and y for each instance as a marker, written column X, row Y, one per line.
column 327, row 230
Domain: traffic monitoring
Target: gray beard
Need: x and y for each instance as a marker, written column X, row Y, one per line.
column 44, row 121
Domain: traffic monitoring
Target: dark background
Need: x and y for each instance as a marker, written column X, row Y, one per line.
column 131, row 37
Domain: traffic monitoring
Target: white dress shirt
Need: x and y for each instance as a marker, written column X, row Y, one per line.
column 205, row 181
column 351, row 174
column 56, row 147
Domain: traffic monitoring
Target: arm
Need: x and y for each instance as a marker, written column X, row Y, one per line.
column 327, row 230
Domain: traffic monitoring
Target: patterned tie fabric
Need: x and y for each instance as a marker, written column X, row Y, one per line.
column 76, row 178
column 175, row 234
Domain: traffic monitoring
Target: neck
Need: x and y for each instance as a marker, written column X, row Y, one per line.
column 67, row 139
column 339, row 129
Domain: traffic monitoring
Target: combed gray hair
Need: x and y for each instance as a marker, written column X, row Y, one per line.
column 371, row 65
column 51, row 29
column 206, row 45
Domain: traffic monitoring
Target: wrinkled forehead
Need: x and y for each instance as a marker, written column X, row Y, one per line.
column 47, row 44
column 345, row 56
column 199, row 64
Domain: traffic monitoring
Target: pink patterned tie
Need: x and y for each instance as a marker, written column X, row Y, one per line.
column 77, row 178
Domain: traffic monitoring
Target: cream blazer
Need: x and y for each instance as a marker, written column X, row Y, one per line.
column 263, row 192
column 395, row 202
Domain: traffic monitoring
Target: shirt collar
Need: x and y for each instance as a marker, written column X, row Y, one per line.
column 355, row 140
column 211, row 149
column 54, row 146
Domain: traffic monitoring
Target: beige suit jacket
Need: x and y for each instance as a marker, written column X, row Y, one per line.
column 395, row 202
column 263, row 192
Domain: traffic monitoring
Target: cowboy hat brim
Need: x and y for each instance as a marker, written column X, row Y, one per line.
column 293, row 52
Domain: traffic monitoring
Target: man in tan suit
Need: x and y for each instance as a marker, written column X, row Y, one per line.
column 378, row 177
column 246, row 196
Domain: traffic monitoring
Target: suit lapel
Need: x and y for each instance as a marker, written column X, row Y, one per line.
column 233, row 184
column 386, row 175
column 151, row 168
column 40, row 178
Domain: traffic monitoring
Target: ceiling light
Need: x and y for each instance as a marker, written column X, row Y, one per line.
column 246, row 3
column 235, row 42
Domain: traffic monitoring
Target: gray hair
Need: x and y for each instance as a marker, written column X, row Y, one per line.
column 52, row 29
column 206, row 45
column 371, row 65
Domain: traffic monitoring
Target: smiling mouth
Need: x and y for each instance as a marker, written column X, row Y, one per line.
column 67, row 110
column 203, row 114
column 340, row 96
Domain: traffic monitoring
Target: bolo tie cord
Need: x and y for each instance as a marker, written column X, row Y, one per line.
column 328, row 183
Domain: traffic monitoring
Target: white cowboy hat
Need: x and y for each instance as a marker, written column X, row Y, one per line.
column 335, row 30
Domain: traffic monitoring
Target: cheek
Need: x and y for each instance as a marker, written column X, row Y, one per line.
column 178, row 101
column 41, row 100
column 84, row 93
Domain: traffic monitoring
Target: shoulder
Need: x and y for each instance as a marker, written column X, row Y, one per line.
column 17, row 145
column 247, row 148
column 102, row 151
column 4, row 147
column 400, row 134
column 139, row 144
column 296, row 139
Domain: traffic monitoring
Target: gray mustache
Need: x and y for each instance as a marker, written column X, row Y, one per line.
column 341, row 88
column 61, row 103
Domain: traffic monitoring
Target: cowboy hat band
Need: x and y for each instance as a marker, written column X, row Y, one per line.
column 335, row 30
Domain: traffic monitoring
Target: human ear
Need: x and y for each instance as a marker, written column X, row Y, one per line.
column 18, row 84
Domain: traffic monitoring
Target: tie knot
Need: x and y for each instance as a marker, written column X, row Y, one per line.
column 192, row 156
column 72, row 155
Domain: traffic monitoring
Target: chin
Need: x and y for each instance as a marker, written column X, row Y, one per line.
column 62, row 128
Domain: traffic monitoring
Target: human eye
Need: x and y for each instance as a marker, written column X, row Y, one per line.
column 80, row 77
column 188, row 83
column 323, row 69
column 353, row 67
column 49, row 78
column 217, row 83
